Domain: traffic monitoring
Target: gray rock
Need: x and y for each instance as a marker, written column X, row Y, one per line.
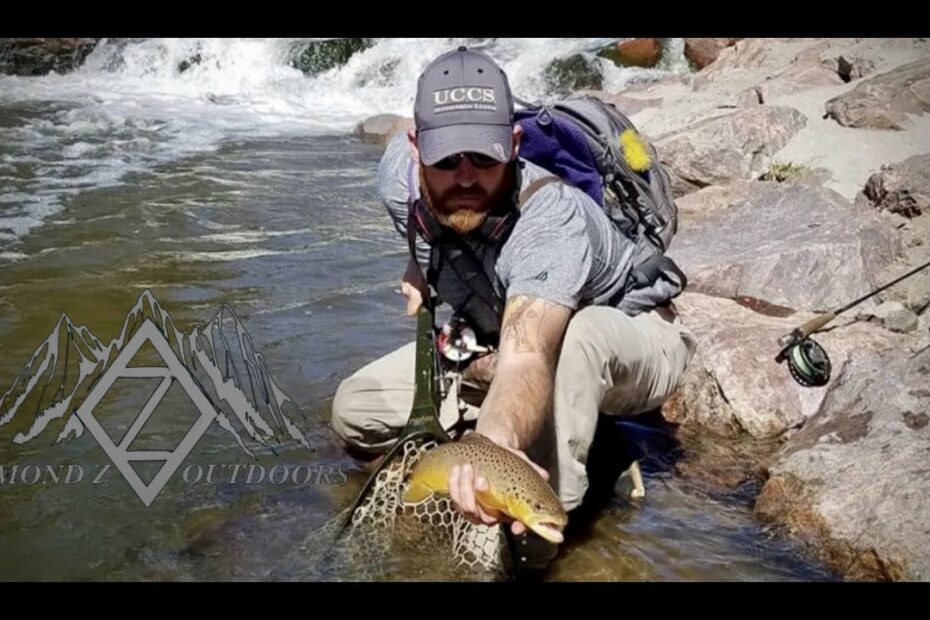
column 320, row 56
column 853, row 68
column 718, row 150
column 804, row 72
column 30, row 56
column 918, row 294
column 884, row 101
column 902, row 188
column 628, row 105
column 894, row 316
column 798, row 246
column 577, row 72
column 377, row 129
column 855, row 481
column 746, row 54
column 733, row 386
column 703, row 51
column 714, row 198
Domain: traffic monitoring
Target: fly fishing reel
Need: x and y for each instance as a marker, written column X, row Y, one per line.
column 808, row 362
column 457, row 342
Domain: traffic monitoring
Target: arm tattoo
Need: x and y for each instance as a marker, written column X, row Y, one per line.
column 523, row 325
column 514, row 327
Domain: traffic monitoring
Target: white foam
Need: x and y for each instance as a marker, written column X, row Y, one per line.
column 242, row 84
column 241, row 237
column 78, row 149
column 130, row 106
column 29, row 213
column 229, row 255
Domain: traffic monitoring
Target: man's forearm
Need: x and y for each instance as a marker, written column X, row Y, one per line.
column 520, row 396
column 517, row 403
column 414, row 275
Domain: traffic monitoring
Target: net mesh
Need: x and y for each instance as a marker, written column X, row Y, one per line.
column 388, row 539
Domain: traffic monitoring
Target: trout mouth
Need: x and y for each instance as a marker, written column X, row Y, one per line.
column 548, row 530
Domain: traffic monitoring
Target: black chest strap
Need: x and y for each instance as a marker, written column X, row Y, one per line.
column 484, row 307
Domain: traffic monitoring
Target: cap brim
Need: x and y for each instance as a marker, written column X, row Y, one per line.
column 492, row 140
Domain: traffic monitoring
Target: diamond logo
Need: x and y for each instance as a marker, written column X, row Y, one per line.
column 72, row 374
column 120, row 454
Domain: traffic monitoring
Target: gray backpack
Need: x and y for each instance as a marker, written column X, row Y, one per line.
column 595, row 147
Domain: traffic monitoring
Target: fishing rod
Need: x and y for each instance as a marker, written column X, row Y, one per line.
column 423, row 423
column 807, row 360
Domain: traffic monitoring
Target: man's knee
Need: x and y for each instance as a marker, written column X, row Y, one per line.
column 369, row 410
column 368, row 415
column 347, row 419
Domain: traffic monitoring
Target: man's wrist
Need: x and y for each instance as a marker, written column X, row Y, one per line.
column 500, row 434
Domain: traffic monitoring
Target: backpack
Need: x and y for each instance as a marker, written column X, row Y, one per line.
column 593, row 146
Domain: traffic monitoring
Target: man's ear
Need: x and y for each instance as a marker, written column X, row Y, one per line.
column 517, row 136
column 412, row 141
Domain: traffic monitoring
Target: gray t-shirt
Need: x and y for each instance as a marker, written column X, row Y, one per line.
column 563, row 247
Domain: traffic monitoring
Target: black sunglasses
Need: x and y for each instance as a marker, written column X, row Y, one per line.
column 477, row 160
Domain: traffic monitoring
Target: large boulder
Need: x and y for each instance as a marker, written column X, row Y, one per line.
column 377, row 129
column 736, row 145
column 703, row 51
column 635, row 53
column 625, row 103
column 798, row 246
column 714, row 198
column 884, row 101
column 733, row 387
column 25, row 56
column 320, row 56
column 902, row 188
column 805, row 71
column 745, row 58
column 576, row 72
column 850, row 68
column 854, row 483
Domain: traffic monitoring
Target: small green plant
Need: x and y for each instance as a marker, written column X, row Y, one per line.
column 781, row 171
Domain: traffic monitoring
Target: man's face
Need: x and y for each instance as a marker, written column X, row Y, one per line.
column 461, row 190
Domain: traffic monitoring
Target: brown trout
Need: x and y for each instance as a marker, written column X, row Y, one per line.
column 514, row 487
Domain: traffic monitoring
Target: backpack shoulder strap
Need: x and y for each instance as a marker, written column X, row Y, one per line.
column 534, row 187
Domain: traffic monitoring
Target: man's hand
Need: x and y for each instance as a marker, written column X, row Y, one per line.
column 413, row 287
column 465, row 482
column 414, row 297
column 481, row 371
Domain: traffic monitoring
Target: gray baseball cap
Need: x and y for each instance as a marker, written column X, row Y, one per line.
column 464, row 105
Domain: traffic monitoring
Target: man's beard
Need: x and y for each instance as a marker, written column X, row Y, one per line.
column 464, row 221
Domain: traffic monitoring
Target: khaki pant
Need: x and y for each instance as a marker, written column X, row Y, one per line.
column 609, row 362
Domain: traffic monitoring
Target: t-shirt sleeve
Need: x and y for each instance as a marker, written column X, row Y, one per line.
column 549, row 254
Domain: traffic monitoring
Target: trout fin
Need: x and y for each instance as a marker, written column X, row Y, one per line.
column 416, row 492
column 489, row 500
